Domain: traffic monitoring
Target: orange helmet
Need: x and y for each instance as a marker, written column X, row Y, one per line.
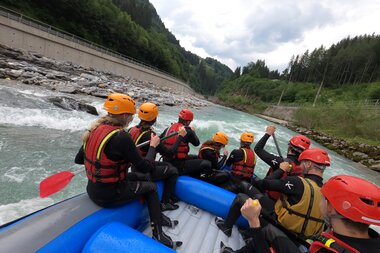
column 148, row 111
column 315, row 155
column 186, row 114
column 118, row 103
column 247, row 137
column 221, row 138
column 354, row 198
column 300, row 142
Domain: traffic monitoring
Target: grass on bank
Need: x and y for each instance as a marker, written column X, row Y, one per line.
column 353, row 123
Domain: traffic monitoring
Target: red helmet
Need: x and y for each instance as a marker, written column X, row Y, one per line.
column 316, row 155
column 300, row 142
column 186, row 114
column 354, row 198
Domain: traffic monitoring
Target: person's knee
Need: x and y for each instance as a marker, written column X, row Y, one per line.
column 205, row 165
column 240, row 199
column 171, row 170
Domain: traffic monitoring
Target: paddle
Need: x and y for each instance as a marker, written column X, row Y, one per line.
column 276, row 143
column 58, row 181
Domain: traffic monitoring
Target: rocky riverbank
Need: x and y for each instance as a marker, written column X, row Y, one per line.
column 67, row 78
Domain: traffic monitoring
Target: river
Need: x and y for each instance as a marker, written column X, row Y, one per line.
column 38, row 139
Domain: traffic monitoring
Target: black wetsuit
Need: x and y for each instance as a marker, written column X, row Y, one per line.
column 285, row 245
column 237, row 184
column 191, row 166
column 258, row 243
column 121, row 147
column 162, row 170
column 214, row 176
column 292, row 186
column 272, row 160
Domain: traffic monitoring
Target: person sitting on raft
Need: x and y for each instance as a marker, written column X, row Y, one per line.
column 350, row 205
column 141, row 133
column 185, row 163
column 107, row 153
column 242, row 162
column 297, row 144
column 297, row 209
column 210, row 150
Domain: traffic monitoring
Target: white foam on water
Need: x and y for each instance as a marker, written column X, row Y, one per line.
column 46, row 118
column 14, row 211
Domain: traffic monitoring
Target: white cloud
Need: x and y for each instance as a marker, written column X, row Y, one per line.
column 238, row 32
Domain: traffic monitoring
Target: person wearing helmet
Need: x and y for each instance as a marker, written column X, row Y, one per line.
column 210, row 150
column 297, row 210
column 242, row 162
column 107, row 153
column 296, row 145
column 187, row 164
column 141, row 133
column 350, row 205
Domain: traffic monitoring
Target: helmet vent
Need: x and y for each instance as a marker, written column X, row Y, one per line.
column 368, row 201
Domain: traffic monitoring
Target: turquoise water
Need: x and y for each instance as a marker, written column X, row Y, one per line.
column 38, row 139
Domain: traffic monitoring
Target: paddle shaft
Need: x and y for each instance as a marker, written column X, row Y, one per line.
column 276, row 143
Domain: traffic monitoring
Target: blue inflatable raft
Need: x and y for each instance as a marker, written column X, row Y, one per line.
column 78, row 225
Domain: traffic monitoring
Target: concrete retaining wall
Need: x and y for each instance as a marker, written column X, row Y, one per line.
column 19, row 33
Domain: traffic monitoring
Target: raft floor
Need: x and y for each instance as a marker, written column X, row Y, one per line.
column 198, row 231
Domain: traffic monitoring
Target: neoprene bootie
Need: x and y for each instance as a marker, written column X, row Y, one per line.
column 160, row 236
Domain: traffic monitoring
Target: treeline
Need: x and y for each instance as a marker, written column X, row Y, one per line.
column 132, row 28
column 348, row 71
column 351, row 61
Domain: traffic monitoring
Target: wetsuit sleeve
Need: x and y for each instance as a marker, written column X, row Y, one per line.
column 79, row 158
column 191, row 137
column 272, row 160
column 210, row 156
column 291, row 186
column 235, row 156
column 277, row 174
column 221, row 162
column 122, row 147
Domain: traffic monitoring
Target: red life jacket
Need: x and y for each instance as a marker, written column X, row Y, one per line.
column 98, row 167
column 207, row 147
column 297, row 171
column 246, row 166
column 328, row 241
column 136, row 135
column 183, row 148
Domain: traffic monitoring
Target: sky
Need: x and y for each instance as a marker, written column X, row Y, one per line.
column 241, row 31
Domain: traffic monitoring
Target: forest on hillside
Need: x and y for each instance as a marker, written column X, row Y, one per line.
column 347, row 71
column 132, row 28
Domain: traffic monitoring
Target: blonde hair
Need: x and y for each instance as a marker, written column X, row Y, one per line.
column 111, row 119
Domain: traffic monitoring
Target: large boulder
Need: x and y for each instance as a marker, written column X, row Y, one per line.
column 71, row 104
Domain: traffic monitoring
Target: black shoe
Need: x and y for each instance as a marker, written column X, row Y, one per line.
column 160, row 236
column 225, row 249
column 220, row 223
column 167, row 222
column 168, row 206
column 173, row 200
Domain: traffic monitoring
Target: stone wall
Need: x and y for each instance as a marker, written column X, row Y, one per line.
column 19, row 33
